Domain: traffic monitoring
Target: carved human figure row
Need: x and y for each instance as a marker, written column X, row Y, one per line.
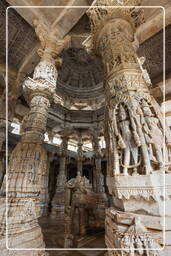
column 139, row 143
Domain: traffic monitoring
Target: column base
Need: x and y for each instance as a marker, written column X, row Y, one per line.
column 17, row 243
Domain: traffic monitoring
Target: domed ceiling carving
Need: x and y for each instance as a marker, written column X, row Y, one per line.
column 80, row 74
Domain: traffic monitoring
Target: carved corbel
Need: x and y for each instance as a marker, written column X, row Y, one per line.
column 50, row 44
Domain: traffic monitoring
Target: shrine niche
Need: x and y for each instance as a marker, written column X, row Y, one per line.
column 85, row 147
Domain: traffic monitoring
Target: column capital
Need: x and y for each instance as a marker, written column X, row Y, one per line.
column 51, row 45
column 45, row 73
column 106, row 10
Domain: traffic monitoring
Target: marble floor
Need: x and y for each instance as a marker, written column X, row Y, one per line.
column 53, row 232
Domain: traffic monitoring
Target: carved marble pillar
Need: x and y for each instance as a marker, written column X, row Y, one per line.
column 28, row 161
column 11, row 101
column 58, row 202
column 2, row 134
column 137, row 147
column 2, row 167
column 100, row 190
column 44, row 193
column 98, row 171
column 80, row 157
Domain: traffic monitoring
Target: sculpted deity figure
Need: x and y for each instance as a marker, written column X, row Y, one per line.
column 153, row 134
column 127, row 142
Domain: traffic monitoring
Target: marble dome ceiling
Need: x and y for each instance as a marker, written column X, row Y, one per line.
column 80, row 75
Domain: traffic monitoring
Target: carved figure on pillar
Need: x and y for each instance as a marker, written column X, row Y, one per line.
column 154, row 135
column 128, row 142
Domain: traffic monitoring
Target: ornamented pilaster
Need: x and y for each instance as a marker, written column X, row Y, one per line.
column 134, row 127
column 28, row 161
column 58, row 202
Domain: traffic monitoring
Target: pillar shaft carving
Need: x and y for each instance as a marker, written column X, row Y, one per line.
column 58, row 202
column 80, row 158
column 28, row 161
column 133, row 117
column 134, row 127
column 98, row 170
column 61, row 179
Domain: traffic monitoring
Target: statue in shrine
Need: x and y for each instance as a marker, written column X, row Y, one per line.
column 127, row 141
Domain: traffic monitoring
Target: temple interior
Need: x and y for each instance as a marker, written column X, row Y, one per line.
column 85, row 118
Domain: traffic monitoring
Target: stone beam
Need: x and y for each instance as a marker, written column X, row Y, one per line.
column 29, row 14
column 69, row 17
column 154, row 24
column 159, row 91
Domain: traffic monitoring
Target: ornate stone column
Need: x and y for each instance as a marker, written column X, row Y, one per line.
column 135, row 138
column 80, row 157
column 98, row 171
column 2, row 167
column 100, row 190
column 2, row 135
column 28, row 161
column 58, row 202
column 44, row 193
